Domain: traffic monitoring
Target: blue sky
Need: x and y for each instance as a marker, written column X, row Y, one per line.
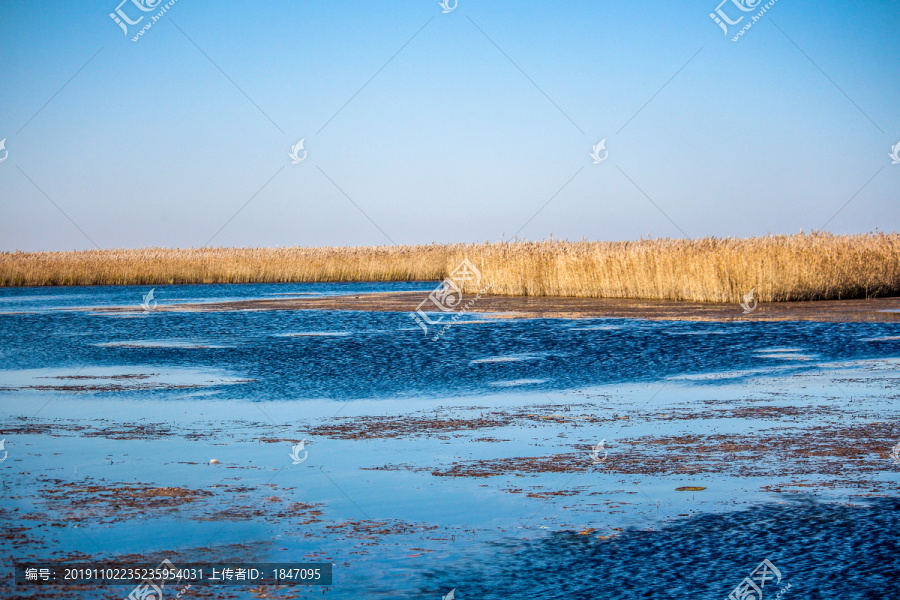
column 487, row 114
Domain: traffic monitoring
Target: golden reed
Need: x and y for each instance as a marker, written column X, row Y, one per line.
column 816, row 266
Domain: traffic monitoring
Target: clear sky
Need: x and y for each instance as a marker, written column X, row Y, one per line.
column 421, row 126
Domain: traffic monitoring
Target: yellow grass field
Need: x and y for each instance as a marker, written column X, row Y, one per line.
column 814, row 266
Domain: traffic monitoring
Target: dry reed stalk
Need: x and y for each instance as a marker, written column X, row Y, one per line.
column 816, row 266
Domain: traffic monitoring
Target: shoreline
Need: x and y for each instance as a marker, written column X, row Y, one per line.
column 879, row 310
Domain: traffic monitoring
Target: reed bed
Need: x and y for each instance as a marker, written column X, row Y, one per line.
column 816, row 266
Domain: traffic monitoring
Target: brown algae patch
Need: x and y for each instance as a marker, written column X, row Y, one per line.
column 372, row 530
column 113, row 502
column 430, row 423
column 829, row 451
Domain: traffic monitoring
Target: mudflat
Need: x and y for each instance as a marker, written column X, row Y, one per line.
column 496, row 306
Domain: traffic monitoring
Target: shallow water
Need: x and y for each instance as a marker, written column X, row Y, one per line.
column 309, row 354
column 42, row 299
column 820, row 551
column 471, row 455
